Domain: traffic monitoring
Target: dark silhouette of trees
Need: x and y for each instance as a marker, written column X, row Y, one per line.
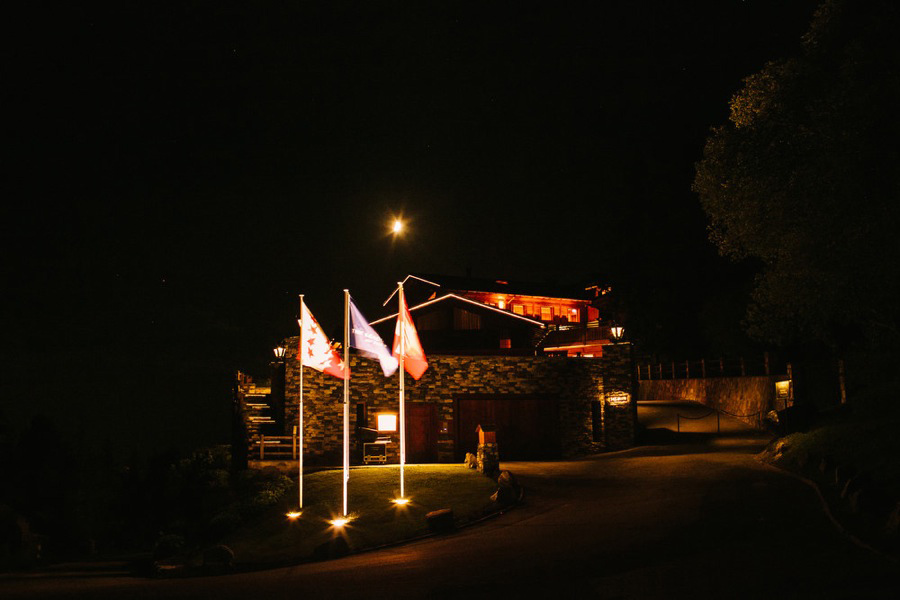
column 804, row 179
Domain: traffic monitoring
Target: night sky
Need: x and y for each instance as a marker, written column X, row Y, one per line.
column 177, row 173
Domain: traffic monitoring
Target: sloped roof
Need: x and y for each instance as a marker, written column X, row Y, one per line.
column 502, row 286
column 452, row 297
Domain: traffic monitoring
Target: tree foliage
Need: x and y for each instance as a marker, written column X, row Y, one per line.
column 804, row 178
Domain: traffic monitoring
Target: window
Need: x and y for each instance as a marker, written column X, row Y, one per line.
column 573, row 315
column 546, row 313
column 386, row 421
column 506, row 343
column 362, row 418
column 518, row 309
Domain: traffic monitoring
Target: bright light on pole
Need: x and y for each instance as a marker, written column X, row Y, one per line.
column 397, row 227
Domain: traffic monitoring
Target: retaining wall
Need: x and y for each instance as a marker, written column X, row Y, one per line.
column 735, row 395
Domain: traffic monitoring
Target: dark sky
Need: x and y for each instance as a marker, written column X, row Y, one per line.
column 177, row 173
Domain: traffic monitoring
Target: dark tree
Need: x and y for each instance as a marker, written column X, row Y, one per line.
column 803, row 179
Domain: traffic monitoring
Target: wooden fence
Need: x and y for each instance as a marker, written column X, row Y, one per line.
column 274, row 447
column 648, row 370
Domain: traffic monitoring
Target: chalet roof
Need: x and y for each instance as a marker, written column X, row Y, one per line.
column 450, row 297
column 450, row 283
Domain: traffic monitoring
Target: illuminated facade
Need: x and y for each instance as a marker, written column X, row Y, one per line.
column 465, row 315
column 534, row 362
column 539, row 407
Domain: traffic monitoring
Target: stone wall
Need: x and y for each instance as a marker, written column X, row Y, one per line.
column 574, row 384
column 735, row 395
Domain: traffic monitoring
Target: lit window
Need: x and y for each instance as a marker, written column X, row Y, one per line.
column 546, row 313
column 501, row 304
column 506, row 343
column 386, row 422
column 573, row 315
column 518, row 309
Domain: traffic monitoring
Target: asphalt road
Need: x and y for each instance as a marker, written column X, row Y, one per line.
column 686, row 515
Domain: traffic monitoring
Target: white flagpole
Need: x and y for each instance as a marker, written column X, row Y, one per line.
column 346, row 396
column 300, row 415
column 402, row 398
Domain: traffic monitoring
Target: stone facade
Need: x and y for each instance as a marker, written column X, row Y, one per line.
column 487, row 459
column 577, row 386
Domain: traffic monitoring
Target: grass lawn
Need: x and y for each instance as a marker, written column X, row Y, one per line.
column 273, row 538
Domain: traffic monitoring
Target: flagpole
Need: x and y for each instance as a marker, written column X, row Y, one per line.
column 402, row 395
column 300, row 416
column 346, row 395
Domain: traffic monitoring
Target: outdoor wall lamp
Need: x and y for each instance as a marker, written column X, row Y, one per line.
column 386, row 421
column 279, row 352
column 617, row 331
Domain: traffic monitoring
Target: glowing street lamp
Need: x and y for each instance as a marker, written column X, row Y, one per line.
column 618, row 332
column 279, row 352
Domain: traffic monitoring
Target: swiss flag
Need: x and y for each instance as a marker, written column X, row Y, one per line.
column 315, row 351
column 414, row 356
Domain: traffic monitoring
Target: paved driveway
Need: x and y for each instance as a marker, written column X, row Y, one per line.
column 683, row 516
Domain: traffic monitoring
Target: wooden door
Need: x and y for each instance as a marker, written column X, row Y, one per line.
column 421, row 432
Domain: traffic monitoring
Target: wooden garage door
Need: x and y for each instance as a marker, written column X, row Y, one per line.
column 526, row 425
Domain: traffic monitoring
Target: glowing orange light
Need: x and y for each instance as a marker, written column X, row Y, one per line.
column 340, row 521
column 293, row 515
column 397, row 226
column 400, row 501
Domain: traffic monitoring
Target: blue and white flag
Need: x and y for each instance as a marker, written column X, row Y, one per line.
column 369, row 343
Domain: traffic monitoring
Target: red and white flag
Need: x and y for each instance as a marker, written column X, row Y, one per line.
column 315, row 351
column 413, row 355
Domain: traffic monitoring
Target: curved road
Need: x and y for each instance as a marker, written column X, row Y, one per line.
column 690, row 514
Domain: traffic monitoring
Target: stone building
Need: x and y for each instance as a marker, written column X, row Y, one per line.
column 542, row 407
column 499, row 354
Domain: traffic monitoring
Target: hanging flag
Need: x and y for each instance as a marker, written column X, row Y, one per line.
column 316, row 351
column 368, row 342
column 414, row 356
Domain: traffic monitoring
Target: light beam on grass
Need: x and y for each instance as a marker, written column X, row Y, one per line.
column 340, row 522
